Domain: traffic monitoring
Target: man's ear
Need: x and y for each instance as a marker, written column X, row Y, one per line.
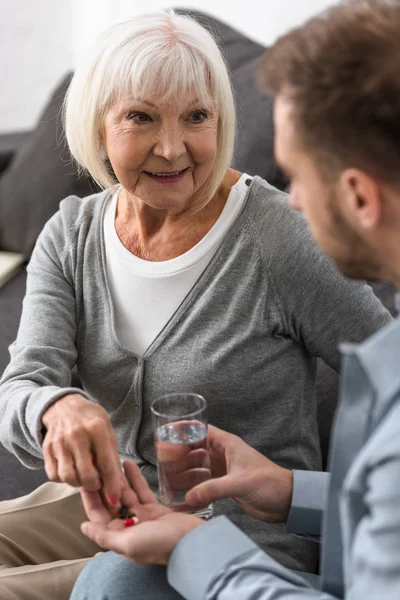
column 361, row 198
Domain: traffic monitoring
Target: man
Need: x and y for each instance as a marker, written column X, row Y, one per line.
column 337, row 116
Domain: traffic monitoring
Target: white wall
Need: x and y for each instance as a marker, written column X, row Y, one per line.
column 42, row 39
column 262, row 20
column 35, row 50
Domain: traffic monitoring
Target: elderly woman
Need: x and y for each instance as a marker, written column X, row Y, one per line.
column 182, row 275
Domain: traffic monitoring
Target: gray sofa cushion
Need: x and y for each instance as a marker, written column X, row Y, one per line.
column 39, row 177
column 16, row 480
column 11, row 296
column 254, row 153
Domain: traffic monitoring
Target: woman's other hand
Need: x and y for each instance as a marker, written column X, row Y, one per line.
column 152, row 540
column 80, row 447
column 261, row 487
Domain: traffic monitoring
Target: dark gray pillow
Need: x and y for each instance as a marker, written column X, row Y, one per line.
column 39, row 177
column 254, row 153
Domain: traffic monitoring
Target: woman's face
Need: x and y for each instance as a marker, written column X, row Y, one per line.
column 162, row 152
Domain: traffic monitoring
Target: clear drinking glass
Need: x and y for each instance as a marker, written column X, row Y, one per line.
column 180, row 437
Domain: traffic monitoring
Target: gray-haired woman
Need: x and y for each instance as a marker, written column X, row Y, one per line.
column 182, row 275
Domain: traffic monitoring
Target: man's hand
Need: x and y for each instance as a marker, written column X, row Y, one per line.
column 80, row 447
column 261, row 487
column 152, row 540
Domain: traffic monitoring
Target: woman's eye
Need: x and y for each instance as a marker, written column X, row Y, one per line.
column 198, row 116
column 139, row 117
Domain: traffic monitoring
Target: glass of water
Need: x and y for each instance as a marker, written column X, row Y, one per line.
column 180, row 437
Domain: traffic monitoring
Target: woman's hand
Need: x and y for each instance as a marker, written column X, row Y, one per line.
column 80, row 447
column 152, row 540
column 261, row 487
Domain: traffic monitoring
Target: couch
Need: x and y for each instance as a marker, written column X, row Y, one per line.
column 36, row 173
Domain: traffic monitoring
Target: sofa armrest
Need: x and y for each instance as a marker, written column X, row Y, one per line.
column 10, row 143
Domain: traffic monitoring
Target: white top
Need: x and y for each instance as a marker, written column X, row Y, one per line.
column 146, row 294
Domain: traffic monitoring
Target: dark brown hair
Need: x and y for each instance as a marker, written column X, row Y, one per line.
column 341, row 70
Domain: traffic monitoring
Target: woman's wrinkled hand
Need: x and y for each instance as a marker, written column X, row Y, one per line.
column 80, row 447
column 153, row 539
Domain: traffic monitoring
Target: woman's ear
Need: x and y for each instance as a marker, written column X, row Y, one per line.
column 361, row 198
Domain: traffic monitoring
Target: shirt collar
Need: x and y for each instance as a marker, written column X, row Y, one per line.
column 379, row 357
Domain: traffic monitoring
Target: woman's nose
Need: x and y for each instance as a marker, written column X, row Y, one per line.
column 170, row 143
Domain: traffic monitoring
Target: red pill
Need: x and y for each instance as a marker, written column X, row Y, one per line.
column 129, row 522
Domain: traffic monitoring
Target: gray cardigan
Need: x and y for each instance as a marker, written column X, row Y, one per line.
column 246, row 337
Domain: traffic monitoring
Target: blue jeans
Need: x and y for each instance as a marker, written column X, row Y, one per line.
column 110, row 576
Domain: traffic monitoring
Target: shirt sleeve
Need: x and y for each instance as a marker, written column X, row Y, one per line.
column 44, row 353
column 218, row 562
column 309, row 499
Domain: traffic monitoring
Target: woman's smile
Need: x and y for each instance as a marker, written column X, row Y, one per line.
column 167, row 177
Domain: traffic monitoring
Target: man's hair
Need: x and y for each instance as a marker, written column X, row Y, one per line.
column 341, row 72
column 164, row 53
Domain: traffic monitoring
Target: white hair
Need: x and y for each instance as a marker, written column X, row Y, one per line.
column 163, row 53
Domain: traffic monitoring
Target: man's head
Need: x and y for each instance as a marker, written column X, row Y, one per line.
column 337, row 115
